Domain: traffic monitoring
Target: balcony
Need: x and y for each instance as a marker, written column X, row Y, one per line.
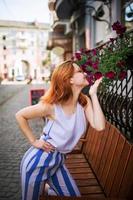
column 59, row 39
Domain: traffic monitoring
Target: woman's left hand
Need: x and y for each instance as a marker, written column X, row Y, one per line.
column 93, row 88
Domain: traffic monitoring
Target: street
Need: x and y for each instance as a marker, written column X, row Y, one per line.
column 12, row 142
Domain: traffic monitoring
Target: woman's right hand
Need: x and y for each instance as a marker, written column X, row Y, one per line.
column 41, row 144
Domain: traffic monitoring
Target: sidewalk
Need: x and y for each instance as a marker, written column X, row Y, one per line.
column 8, row 91
column 13, row 144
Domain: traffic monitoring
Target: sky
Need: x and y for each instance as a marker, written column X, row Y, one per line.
column 25, row 10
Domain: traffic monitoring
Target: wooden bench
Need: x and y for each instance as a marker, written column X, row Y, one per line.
column 103, row 167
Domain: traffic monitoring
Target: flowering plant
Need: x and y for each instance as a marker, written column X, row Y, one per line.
column 107, row 60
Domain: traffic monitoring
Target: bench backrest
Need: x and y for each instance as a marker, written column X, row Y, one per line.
column 111, row 158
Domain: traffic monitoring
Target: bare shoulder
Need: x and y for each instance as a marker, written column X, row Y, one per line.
column 37, row 110
column 47, row 109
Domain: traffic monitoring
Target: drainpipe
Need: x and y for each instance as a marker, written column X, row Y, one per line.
column 116, row 11
column 89, row 26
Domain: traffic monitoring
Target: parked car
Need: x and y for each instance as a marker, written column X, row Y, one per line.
column 20, row 78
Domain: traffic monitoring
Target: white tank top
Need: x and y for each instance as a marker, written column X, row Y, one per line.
column 65, row 131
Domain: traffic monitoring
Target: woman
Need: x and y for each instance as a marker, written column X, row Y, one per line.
column 68, row 112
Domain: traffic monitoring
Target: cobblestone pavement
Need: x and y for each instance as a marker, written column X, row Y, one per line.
column 12, row 142
column 7, row 92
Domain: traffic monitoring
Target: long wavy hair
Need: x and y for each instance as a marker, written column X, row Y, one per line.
column 60, row 88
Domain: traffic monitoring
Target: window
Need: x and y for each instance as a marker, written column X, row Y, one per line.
column 4, row 37
column 127, row 14
column 4, row 47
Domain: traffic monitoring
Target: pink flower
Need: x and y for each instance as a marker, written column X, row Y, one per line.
column 78, row 56
column 90, row 78
column 119, row 28
column 121, row 63
column 116, row 25
column 94, row 51
column 110, row 75
column 89, row 62
column 93, row 61
column 98, row 75
column 82, row 50
column 84, row 68
column 87, row 51
column 95, row 65
column 122, row 75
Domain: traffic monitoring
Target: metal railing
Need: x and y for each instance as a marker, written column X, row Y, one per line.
column 116, row 99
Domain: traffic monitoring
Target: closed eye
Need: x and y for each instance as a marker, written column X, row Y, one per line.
column 80, row 71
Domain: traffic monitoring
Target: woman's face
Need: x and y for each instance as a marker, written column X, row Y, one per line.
column 79, row 77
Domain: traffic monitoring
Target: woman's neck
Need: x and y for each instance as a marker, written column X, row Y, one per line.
column 69, row 107
column 73, row 100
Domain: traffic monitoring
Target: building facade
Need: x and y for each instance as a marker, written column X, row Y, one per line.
column 22, row 50
column 85, row 23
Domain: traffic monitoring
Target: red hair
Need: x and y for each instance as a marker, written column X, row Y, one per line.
column 60, row 89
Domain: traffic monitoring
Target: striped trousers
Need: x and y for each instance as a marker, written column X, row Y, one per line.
column 39, row 167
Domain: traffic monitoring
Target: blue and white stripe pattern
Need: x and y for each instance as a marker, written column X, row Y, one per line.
column 37, row 167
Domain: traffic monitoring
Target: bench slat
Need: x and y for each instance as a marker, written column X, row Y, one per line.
column 127, row 181
column 90, row 190
column 82, row 160
column 114, row 164
column 102, row 136
column 91, row 197
column 83, row 176
column 87, row 182
column 73, row 165
column 121, row 169
column 106, row 170
column 105, row 152
column 89, row 138
column 75, row 156
column 105, row 166
column 80, row 170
